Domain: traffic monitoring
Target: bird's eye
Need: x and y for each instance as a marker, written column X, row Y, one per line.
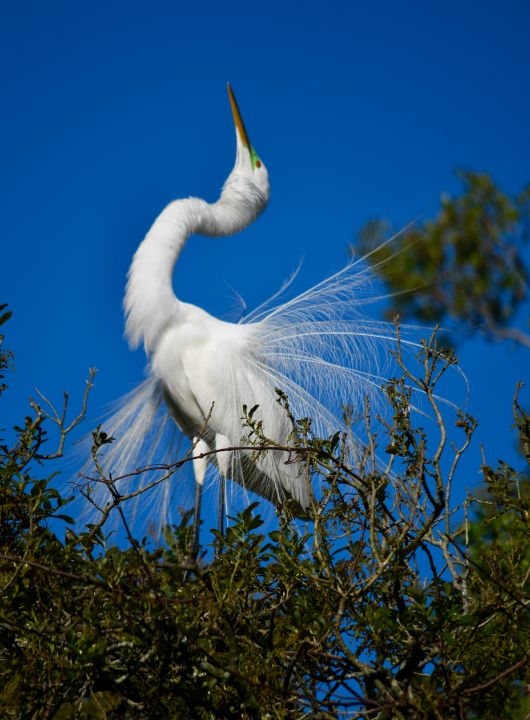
column 258, row 163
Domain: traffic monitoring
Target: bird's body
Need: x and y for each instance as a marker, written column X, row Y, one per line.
column 318, row 348
column 208, row 372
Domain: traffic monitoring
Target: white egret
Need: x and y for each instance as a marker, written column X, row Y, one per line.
column 318, row 348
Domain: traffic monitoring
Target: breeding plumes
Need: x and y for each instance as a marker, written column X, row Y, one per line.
column 318, row 348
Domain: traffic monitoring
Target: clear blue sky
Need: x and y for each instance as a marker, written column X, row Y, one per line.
column 110, row 110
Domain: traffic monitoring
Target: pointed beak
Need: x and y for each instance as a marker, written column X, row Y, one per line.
column 238, row 120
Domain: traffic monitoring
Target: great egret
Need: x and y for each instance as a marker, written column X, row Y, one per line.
column 318, row 348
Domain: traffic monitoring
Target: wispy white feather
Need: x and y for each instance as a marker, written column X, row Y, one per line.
column 319, row 347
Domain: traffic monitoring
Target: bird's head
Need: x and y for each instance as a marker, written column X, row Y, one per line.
column 248, row 166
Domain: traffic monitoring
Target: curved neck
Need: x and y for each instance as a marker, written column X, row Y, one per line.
column 150, row 303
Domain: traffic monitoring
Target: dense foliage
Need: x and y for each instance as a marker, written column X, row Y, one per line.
column 385, row 605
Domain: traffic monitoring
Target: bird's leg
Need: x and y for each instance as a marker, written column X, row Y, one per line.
column 199, row 468
column 221, row 512
column 221, row 441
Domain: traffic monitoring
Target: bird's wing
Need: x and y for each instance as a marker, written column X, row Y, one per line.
column 226, row 380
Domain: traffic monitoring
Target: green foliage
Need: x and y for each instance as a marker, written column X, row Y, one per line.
column 377, row 608
column 465, row 267
column 500, row 553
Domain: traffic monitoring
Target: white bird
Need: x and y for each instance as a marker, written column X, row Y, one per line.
column 318, row 348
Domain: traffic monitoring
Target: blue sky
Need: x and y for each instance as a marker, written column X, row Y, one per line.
column 110, row 110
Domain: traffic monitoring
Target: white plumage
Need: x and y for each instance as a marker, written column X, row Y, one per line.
column 319, row 348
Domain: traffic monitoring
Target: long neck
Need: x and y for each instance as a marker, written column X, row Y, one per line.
column 150, row 303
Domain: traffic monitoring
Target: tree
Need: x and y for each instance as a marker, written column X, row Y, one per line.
column 383, row 608
column 465, row 268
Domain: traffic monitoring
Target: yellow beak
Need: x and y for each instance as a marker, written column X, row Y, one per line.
column 238, row 120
